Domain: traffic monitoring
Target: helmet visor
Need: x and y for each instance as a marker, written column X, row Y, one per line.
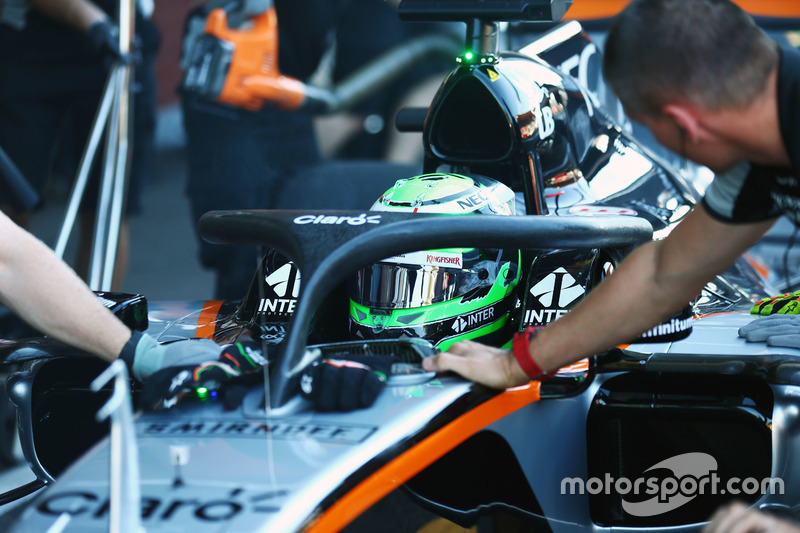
column 418, row 279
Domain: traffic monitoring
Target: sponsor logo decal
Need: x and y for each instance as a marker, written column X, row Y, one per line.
column 279, row 280
column 287, row 430
column 472, row 202
column 542, row 121
column 194, row 506
column 548, row 126
column 285, row 286
column 272, row 333
column 473, row 320
column 359, row 220
column 675, row 325
column 443, row 260
column 554, row 293
column 437, row 259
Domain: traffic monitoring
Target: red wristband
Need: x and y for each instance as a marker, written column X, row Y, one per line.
column 520, row 348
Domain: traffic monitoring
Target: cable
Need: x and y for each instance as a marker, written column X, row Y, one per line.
column 789, row 246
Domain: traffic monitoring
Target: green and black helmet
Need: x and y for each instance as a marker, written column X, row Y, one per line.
column 440, row 295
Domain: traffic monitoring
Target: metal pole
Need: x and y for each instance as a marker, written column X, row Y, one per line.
column 87, row 158
column 120, row 182
column 127, row 11
column 110, row 208
column 100, row 240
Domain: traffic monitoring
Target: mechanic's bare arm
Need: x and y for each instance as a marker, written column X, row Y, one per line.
column 45, row 292
column 79, row 14
column 655, row 281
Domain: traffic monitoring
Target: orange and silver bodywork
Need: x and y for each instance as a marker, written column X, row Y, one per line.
column 459, row 450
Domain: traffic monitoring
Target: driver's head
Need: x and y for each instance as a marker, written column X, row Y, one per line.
column 439, row 295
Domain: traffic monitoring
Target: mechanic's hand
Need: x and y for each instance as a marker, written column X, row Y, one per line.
column 352, row 382
column 739, row 518
column 493, row 367
column 775, row 330
column 145, row 356
column 166, row 386
column 783, row 304
column 103, row 39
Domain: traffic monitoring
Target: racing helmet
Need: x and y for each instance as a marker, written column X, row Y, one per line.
column 446, row 295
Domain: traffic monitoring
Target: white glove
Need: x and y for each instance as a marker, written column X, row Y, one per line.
column 776, row 330
column 145, row 356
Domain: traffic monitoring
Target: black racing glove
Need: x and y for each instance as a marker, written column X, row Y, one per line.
column 352, row 382
column 167, row 386
column 103, row 39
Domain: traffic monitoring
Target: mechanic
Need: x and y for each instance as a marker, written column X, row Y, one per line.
column 54, row 60
column 713, row 87
column 38, row 286
column 667, row 61
column 732, row 104
column 238, row 157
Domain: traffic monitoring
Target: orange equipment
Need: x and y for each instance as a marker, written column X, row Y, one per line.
column 240, row 66
column 595, row 9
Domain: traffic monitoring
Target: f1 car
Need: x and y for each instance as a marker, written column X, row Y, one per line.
column 651, row 435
